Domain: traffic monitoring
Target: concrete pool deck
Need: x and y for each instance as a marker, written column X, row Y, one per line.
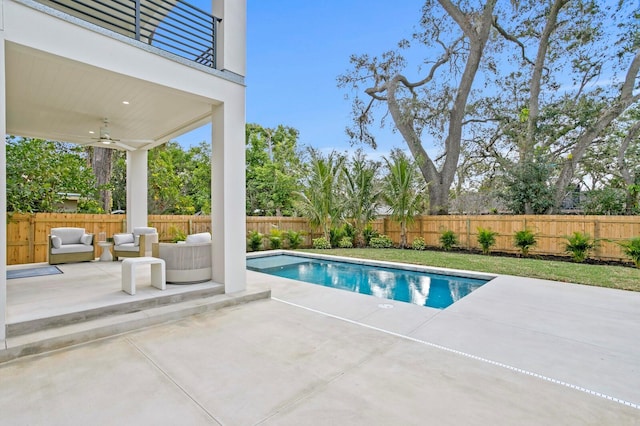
column 516, row 351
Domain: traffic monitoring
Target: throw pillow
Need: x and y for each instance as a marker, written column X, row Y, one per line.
column 202, row 237
column 56, row 241
column 119, row 239
column 86, row 239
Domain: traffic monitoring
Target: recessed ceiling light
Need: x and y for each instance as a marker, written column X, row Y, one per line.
column 91, row 132
column 125, row 102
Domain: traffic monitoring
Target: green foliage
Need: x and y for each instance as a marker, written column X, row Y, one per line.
column 177, row 234
column 418, row 244
column 335, row 235
column 606, row 201
column 275, row 238
column 40, row 173
column 345, row 242
column 294, row 239
column 402, row 191
column 361, row 194
column 321, row 243
column 273, row 166
column 255, row 240
column 381, row 241
column 369, row 233
column 486, row 239
column 631, row 249
column 524, row 240
column 526, row 187
column 579, row 245
column 320, row 199
column 179, row 181
column 448, row 239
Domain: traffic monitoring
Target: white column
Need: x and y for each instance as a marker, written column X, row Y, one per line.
column 136, row 189
column 231, row 44
column 228, row 223
column 3, row 195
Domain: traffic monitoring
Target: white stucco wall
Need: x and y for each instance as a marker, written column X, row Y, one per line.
column 3, row 192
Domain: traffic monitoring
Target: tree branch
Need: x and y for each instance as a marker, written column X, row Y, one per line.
column 512, row 39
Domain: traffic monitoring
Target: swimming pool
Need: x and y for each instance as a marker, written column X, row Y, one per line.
column 420, row 287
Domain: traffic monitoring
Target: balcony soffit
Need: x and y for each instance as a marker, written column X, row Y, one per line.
column 55, row 98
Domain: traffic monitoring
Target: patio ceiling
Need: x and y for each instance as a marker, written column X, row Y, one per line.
column 54, row 98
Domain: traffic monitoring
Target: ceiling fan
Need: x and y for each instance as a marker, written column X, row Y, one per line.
column 106, row 139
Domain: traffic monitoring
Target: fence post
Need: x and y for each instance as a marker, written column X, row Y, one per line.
column 31, row 252
column 468, row 234
column 596, row 237
column 189, row 227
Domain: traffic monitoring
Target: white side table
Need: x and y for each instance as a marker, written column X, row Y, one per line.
column 106, row 255
column 158, row 273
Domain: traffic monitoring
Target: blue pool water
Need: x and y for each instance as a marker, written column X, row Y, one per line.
column 420, row 288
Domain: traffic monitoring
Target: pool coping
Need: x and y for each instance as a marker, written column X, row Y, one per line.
column 381, row 263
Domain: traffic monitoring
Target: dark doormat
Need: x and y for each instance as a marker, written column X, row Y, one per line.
column 33, row 272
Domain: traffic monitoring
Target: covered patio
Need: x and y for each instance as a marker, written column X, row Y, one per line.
column 76, row 80
column 86, row 302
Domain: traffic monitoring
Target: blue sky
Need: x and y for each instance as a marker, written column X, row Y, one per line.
column 296, row 50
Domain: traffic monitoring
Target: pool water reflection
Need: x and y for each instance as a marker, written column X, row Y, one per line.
column 420, row 288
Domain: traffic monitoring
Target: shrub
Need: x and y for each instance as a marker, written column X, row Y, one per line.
column 631, row 249
column 448, row 239
column 418, row 244
column 524, row 240
column 335, row 235
column 381, row 241
column 579, row 245
column 321, row 243
column 345, row 242
column 486, row 239
column 275, row 238
column 367, row 233
column 177, row 234
column 255, row 240
column 295, row 239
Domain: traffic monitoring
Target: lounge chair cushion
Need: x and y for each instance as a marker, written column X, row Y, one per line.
column 56, row 241
column 128, row 247
column 72, row 248
column 68, row 235
column 144, row 230
column 202, row 237
column 86, row 239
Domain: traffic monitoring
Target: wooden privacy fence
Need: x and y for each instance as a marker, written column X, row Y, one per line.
column 550, row 231
column 27, row 233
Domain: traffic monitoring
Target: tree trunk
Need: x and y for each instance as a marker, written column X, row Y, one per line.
column 101, row 164
column 438, row 198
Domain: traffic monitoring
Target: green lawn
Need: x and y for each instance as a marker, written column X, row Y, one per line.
column 619, row 277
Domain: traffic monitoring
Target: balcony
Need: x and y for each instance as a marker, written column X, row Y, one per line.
column 174, row 26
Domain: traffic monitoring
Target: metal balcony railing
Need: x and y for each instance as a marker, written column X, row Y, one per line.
column 171, row 25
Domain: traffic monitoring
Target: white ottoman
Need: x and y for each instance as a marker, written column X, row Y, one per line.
column 158, row 277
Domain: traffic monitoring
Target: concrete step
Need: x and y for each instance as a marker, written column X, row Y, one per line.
column 55, row 321
column 40, row 341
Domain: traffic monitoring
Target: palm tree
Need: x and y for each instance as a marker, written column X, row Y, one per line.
column 319, row 199
column 361, row 194
column 403, row 191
